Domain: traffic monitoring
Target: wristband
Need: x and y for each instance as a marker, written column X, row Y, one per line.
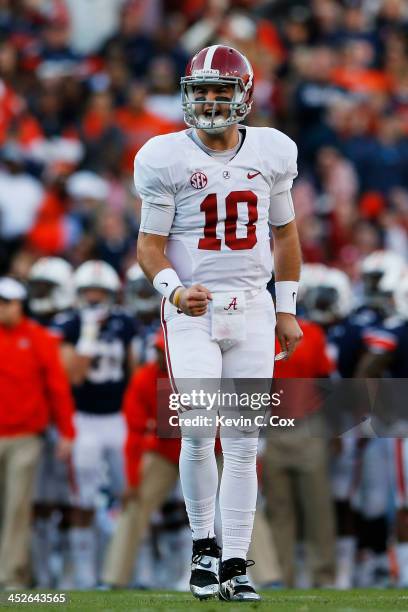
column 166, row 281
column 286, row 292
column 176, row 297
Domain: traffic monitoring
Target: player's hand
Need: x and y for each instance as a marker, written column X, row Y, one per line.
column 64, row 449
column 94, row 315
column 288, row 332
column 194, row 300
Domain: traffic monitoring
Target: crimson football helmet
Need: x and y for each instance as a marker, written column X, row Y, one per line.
column 222, row 65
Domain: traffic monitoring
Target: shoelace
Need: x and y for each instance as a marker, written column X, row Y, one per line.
column 248, row 563
column 207, row 552
column 238, row 570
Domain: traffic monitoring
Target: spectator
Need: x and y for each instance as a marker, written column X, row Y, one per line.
column 20, row 199
column 92, row 23
column 131, row 43
column 102, row 136
column 34, row 391
column 138, row 124
column 114, row 241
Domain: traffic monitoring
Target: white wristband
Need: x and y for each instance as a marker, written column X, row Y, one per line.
column 286, row 292
column 166, row 281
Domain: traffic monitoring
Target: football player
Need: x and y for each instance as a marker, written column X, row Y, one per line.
column 327, row 299
column 381, row 272
column 50, row 288
column 358, row 472
column 96, row 340
column 50, row 293
column 387, row 355
column 143, row 301
column 209, row 194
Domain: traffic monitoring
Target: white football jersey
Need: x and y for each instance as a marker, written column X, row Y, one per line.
column 220, row 233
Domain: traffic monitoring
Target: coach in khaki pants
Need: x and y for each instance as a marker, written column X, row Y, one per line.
column 295, row 473
column 34, row 391
column 297, row 485
column 295, row 470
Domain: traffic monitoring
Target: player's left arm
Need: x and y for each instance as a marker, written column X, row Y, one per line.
column 287, row 255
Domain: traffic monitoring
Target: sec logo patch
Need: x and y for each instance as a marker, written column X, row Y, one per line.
column 198, row 180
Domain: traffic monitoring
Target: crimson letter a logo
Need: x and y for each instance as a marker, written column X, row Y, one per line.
column 232, row 304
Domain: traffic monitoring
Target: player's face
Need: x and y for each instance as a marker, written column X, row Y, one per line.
column 95, row 296
column 10, row 312
column 209, row 94
column 40, row 289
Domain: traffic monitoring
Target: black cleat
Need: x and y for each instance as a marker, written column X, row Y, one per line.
column 234, row 583
column 204, row 568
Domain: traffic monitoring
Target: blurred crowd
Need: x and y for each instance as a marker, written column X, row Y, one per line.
column 82, row 87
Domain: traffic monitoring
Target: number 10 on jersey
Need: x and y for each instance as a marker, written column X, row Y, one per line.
column 208, row 206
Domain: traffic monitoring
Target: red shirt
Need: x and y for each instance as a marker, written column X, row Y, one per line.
column 310, row 360
column 140, row 409
column 34, row 389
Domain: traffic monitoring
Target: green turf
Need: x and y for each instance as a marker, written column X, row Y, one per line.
column 276, row 601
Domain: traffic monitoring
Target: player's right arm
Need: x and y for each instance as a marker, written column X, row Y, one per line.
column 76, row 364
column 154, row 186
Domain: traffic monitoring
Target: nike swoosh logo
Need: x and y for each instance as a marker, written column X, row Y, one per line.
column 251, row 176
column 206, row 565
column 294, row 295
column 165, row 284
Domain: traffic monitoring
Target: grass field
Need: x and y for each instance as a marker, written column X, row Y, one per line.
column 276, row 601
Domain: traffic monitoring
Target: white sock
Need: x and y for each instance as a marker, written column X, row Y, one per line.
column 345, row 561
column 41, row 549
column 83, row 550
column 382, row 566
column 238, row 492
column 365, row 570
column 402, row 557
column 199, row 481
column 65, row 580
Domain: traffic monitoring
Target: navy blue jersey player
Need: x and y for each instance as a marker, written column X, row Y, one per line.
column 143, row 302
column 96, row 340
column 381, row 271
column 50, row 293
column 387, row 356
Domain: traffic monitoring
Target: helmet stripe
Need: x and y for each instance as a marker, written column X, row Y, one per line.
column 209, row 57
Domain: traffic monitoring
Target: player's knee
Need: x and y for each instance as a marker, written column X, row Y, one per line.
column 82, row 517
column 197, row 449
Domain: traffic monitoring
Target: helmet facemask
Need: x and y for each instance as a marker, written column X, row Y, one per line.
column 213, row 121
column 47, row 297
column 321, row 303
column 141, row 298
